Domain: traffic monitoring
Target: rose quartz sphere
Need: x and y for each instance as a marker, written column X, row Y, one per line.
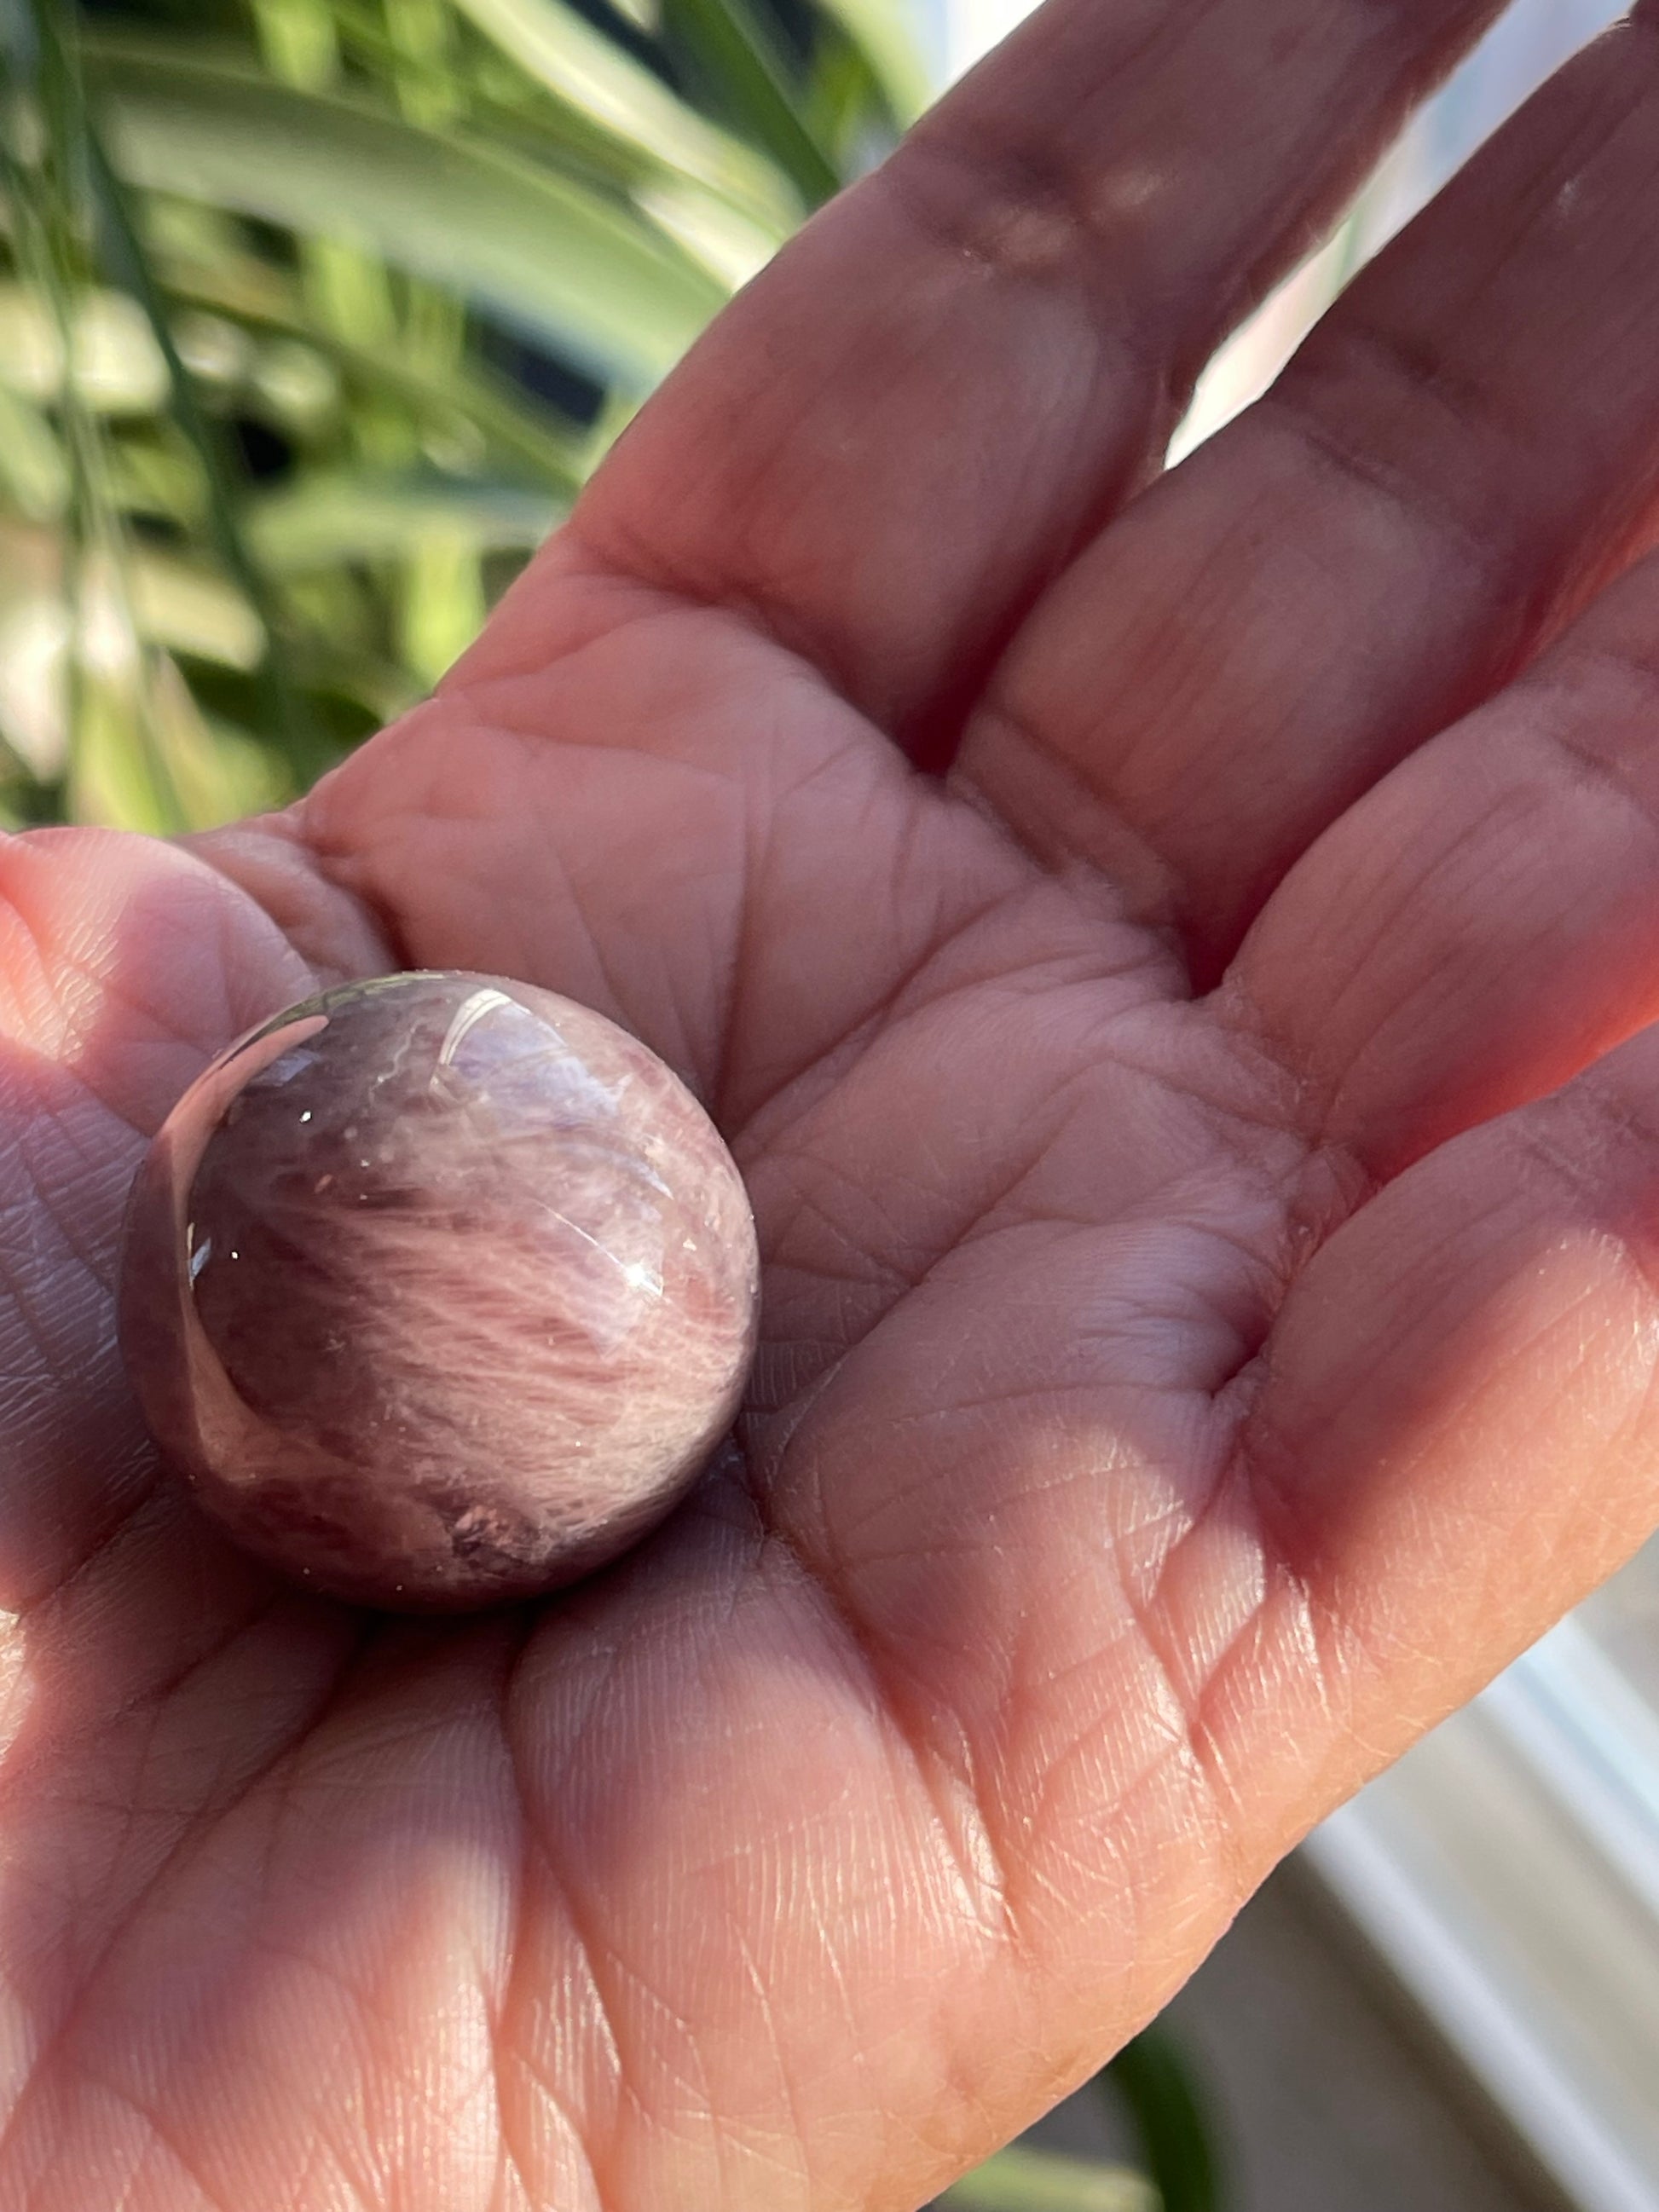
column 438, row 1290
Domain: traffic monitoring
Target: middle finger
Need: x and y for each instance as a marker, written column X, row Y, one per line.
column 1466, row 444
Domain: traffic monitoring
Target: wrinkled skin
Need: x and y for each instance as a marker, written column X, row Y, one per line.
column 1206, row 1155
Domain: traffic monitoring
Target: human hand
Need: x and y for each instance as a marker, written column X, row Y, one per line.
column 1210, row 1204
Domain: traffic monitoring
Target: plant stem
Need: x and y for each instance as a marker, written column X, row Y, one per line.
column 133, row 266
column 1152, row 2078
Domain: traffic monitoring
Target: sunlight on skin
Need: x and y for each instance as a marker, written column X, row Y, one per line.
column 1169, row 1404
column 1532, row 39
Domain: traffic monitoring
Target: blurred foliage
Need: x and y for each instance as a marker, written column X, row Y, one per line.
column 314, row 314
column 1020, row 2179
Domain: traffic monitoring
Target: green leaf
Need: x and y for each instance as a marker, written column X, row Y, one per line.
column 188, row 610
column 545, row 255
column 203, row 435
column 261, row 298
column 732, row 223
column 298, row 39
column 349, row 517
column 1023, row 2180
column 884, row 34
column 735, row 57
column 33, row 476
column 144, row 757
column 583, row 70
column 117, row 368
column 1152, row 2077
column 442, row 606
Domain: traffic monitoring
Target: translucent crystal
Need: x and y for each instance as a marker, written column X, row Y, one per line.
column 439, row 1290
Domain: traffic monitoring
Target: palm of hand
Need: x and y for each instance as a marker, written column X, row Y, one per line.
column 1143, row 1448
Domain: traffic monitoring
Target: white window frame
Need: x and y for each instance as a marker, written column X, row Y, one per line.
column 1507, row 1868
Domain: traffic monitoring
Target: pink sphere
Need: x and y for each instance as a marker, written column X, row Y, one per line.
column 438, row 1290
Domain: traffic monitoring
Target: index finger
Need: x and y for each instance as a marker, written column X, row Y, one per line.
column 954, row 375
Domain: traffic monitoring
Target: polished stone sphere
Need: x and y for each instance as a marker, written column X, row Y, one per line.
column 438, row 1290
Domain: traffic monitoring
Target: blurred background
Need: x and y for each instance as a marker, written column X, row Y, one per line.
column 314, row 316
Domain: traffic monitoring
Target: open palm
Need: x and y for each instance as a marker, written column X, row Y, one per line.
column 1166, row 955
